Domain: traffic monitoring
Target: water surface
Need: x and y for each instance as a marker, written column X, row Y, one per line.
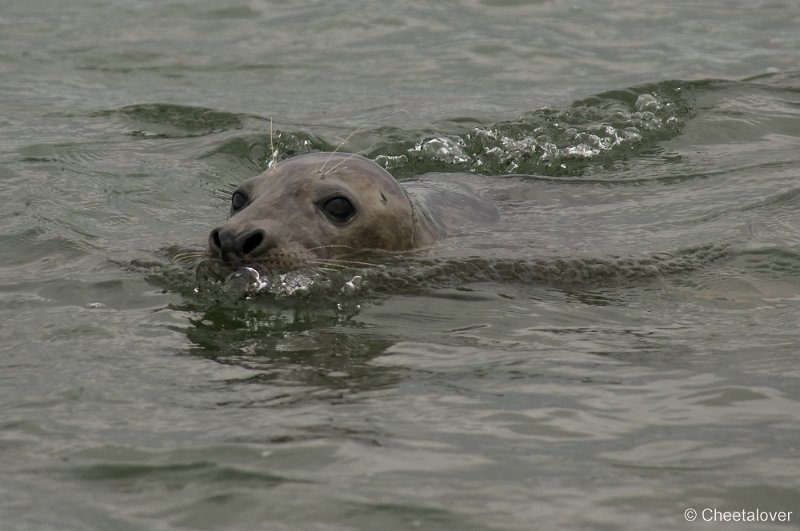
column 622, row 345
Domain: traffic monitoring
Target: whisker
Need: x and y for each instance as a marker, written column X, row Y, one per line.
column 330, row 246
column 318, row 267
column 187, row 256
column 340, row 146
column 340, row 261
column 361, row 152
column 345, row 262
column 339, row 163
column 273, row 157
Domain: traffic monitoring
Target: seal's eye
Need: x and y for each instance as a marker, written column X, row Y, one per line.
column 338, row 209
column 238, row 200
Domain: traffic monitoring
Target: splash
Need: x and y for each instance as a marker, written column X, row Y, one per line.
column 598, row 130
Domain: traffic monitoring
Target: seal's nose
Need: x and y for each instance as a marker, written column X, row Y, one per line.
column 234, row 246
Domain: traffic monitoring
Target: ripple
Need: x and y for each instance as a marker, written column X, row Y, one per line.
column 553, row 142
column 160, row 120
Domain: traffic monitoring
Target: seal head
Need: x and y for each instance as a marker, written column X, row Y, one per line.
column 319, row 206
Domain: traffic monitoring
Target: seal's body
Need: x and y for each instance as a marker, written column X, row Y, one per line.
column 320, row 206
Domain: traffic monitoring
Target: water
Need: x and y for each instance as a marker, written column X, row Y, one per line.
column 620, row 347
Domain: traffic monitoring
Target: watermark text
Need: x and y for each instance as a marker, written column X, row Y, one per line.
column 711, row 514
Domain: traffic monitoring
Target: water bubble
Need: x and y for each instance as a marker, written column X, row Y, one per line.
column 245, row 280
column 484, row 133
column 646, row 102
column 445, row 149
column 392, row 162
column 295, row 283
column 632, row 134
column 581, row 151
column 352, row 286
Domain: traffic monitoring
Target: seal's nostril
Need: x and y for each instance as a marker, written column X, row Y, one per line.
column 252, row 242
column 215, row 239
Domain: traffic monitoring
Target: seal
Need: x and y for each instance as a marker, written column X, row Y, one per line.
column 320, row 206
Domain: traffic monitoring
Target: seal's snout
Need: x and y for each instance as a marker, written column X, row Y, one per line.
column 235, row 247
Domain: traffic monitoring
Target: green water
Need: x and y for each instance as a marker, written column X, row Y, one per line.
column 620, row 347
